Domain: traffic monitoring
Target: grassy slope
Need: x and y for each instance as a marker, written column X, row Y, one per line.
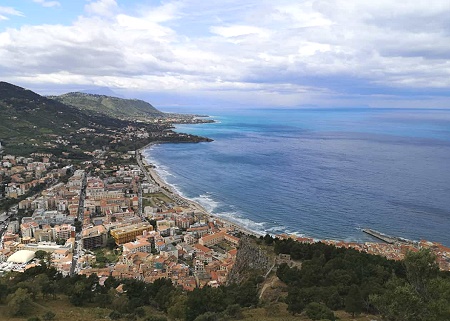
column 27, row 117
column 66, row 312
column 111, row 106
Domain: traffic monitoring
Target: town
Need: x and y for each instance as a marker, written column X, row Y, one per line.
column 122, row 220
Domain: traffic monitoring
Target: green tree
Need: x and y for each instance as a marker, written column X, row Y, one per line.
column 40, row 254
column 177, row 309
column 48, row 316
column 155, row 318
column 121, row 304
column 78, row 225
column 421, row 267
column 319, row 311
column 114, row 315
column 400, row 303
column 354, row 301
column 208, row 316
column 19, row 303
column 140, row 312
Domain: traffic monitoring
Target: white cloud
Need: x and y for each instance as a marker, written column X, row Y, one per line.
column 48, row 4
column 9, row 11
column 294, row 52
column 102, row 7
column 238, row 30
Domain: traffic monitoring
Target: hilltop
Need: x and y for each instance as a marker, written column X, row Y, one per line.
column 111, row 106
column 33, row 123
column 28, row 116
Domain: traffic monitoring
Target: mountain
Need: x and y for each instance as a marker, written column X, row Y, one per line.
column 33, row 123
column 104, row 91
column 111, row 106
column 28, row 117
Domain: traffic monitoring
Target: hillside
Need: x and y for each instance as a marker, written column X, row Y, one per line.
column 26, row 114
column 111, row 106
column 33, row 123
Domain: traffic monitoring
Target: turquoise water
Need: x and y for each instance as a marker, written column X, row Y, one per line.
column 322, row 173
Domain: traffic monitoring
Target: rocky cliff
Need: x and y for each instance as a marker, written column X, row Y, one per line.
column 250, row 261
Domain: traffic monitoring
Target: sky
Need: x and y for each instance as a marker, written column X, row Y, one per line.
column 253, row 53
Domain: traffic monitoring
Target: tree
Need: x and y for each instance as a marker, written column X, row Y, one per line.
column 121, row 303
column 155, row 318
column 334, row 301
column 319, row 311
column 421, row 267
column 208, row 316
column 111, row 243
column 400, row 303
column 114, row 315
column 354, row 301
column 19, row 302
column 140, row 312
column 48, row 316
column 40, row 254
column 177, row 309
column 78, row 225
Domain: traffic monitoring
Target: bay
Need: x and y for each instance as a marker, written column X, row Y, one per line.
column 324, row 173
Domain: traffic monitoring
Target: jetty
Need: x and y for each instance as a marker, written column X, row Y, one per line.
column 386, row 238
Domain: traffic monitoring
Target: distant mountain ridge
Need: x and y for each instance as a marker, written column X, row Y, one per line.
column 106, row 91
column 27, row 116
column 110, row 106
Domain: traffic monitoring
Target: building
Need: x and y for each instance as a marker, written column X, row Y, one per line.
column 94, row 237
column 141, row 245
column 129, row 233
column 22, row 256
column 213, row 239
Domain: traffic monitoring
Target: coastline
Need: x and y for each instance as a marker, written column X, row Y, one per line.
column 152, row 175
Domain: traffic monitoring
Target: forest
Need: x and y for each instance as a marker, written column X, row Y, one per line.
column 329, row 279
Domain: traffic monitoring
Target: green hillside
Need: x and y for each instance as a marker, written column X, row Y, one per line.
column 33, row 123
column 111, row 106
column 28, row 119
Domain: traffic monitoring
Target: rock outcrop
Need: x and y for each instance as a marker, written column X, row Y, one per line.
column 250, row 260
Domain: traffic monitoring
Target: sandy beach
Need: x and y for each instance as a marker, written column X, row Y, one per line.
column 152, row 176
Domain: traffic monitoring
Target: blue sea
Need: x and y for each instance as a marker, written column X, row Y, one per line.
column 324, row 173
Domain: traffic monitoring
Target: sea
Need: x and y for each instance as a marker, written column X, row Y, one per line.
column 322, row 173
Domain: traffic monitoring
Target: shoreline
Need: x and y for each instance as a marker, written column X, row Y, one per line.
column 152, row 175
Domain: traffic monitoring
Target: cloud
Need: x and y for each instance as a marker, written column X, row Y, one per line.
column 102, row 7
column 313, row 51
column 48, row 4
column 9, row 11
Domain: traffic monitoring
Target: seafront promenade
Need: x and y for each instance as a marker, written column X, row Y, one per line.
column 152, row 176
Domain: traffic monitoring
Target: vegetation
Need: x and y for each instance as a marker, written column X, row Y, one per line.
column 34, row 123
column 111, row 106
column 328, row 282
column 347, row 279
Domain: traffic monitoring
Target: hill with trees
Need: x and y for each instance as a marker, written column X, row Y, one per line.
column 323, row 283
column 33, row 123
column 110, row 106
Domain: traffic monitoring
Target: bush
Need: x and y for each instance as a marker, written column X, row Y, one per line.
column 208, row 316
column 319, row 311
column 48, row 316
column 140, row 312
column 114, row 315
column 155, row 318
